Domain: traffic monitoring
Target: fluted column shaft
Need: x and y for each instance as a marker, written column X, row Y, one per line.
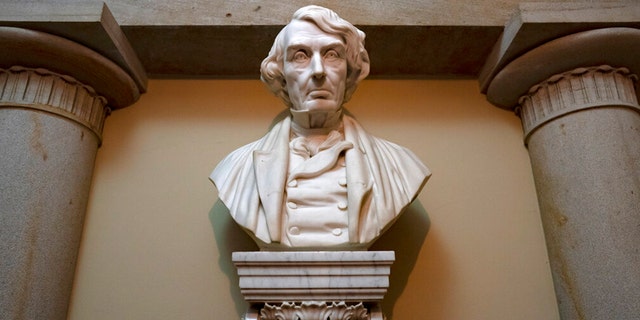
column 583, row 134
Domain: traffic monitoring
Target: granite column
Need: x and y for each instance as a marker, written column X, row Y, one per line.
column 54, row 97
column 576, row 97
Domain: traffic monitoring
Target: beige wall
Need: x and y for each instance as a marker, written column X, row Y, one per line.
column 154, row 249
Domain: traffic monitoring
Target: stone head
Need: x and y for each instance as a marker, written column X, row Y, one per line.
column 314, row 19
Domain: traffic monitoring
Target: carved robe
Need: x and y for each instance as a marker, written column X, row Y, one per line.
column 382, row 180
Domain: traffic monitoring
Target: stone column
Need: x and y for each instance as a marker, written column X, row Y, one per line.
column 50, row 129
column 577, row 100
column 54, row 97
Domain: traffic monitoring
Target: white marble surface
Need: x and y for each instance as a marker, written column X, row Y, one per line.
column 317, row 180
column 356, row 276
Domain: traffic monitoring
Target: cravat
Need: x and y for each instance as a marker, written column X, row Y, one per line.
column 319, row 155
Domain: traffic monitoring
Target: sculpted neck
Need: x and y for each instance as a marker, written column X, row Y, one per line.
column 305, row 123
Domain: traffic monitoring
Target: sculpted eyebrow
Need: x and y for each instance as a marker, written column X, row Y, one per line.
column 297, row 46
column 333, row 45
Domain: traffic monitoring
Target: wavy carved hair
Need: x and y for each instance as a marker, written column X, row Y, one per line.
column 271, row 69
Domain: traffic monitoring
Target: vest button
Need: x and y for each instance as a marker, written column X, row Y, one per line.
column 293, row 183
column 292, row 205
column 294, row 231
column 342, row 182
column 342, row 206
column 337, row 232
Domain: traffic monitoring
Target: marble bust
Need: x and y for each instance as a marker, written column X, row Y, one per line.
column 317, row 179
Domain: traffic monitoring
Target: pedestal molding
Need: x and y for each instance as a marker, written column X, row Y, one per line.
column 310, row 285
column 55, row 93
column 575, row 90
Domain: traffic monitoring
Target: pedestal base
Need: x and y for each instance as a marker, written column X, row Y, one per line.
column 314, row 285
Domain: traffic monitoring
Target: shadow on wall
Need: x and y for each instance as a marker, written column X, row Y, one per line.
column 230, row 238
column 405, row 237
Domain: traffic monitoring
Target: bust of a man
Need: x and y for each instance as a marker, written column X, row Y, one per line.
column 317, row 180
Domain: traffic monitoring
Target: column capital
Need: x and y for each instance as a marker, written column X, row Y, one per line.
column 545, row 39
column 39, row 50
column 574, row 90
column 59, row 94
column 81, row 40
column 616, row 47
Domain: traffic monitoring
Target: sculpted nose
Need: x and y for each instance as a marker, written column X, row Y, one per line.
column 317, row 66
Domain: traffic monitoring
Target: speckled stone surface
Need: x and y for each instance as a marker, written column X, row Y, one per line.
column 46, row 165
column 53, row 102
column 581, row 122
column 587, row 172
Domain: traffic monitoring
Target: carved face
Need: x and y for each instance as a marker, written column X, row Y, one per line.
column 315, row 68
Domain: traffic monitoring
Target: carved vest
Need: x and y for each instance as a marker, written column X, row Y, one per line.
column 316, row 207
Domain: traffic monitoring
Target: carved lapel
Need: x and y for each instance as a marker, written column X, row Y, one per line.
column 359, row 183
column 270, row 166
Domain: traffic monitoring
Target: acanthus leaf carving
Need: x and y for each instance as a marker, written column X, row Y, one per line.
column 314, row 310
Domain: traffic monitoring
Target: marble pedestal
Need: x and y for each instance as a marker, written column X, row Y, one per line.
column 314, row 285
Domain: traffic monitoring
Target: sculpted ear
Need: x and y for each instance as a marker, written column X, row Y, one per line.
column 364, row 70
column 363, row 56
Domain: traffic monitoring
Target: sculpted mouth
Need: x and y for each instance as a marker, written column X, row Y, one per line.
column 319, row 94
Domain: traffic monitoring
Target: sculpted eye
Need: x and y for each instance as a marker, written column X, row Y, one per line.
column 331, row 55
column 300, row 56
